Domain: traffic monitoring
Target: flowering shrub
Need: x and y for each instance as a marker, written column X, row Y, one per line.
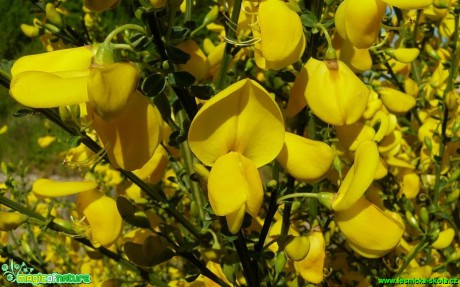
column 242, row 143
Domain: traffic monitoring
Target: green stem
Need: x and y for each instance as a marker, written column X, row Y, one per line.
column 35, row 244
column 272, row 208
column 117, row 30
column 231, row 34
column 203, row 269
column 445, row 115
column 197, row 194
column 295, row 195
column 248, row 264
column 421, row 244
column 188, row 10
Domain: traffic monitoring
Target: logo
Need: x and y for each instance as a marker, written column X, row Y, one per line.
column 22, row 274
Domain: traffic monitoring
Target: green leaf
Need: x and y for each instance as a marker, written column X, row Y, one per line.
column 176, row 55
column 308, row 19
column 153, row 85
column 179, row 33
column 183, row 79
column 162, row 103
column 202, row 92
column 125, row 207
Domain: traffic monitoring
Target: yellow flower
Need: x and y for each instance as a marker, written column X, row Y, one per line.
column 306, row 160
column 236, row 132
column 311, row 268
column 98, row 209
column 362, row 225
column 128, row 124
column 335, row 95
column 359, row 21
column 282, row 40
column 396, row 101
column 216, row 269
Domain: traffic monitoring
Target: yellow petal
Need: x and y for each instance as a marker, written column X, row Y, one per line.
column 102, row 214
column 62, row 60
column 282, row 41
column 155, row 168
column 108, row 96
column 409, row 4
column 359, row 177
column 410, row 183
column 312, row 267
column 406, row 55
column 197, row 65
column 336, row 96
column 362, row 21
column 234, row 181
column 235, row 220
column 350, row 136
column 46, row 90
column 371, row 232
column 297, row 99
column 297, row 248
column 131, row 138
column 444, row 239
column 242, row 118
column 396, row 101
column 50, row 188
column 29, row 30
column 45, row 141
column 305, row 159
column 11, row 220
column 52, row 14
column 358, row 60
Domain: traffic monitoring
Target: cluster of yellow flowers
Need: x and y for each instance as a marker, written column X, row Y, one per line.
column 364, row 121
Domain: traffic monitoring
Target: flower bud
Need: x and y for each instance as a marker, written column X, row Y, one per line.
column 297, row 247
column 52, row 15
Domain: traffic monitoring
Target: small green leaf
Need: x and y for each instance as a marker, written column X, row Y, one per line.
column 153, row 85
column 183, row 79
column 308, row 19
column 202, row 92
column 176, row 55
column 162, row 103
column 125, row 207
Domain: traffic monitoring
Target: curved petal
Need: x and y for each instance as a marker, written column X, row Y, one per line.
column 282, row 40
column 359, row 60
column 406, row 55
column 297, row 99
column 234, row 181
column 312, row 267
column 350, row 136
column 46, row 90
column 108, row 96
column 242, row 118
column 305, row 159
column 61, row 60
column 50, row 188
column 396, row 101
column 362, row 225
column 359, row 177
column 362, row 21
column 132, row 137
column 235, row 220
column 336, row 96
column 102, row 214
